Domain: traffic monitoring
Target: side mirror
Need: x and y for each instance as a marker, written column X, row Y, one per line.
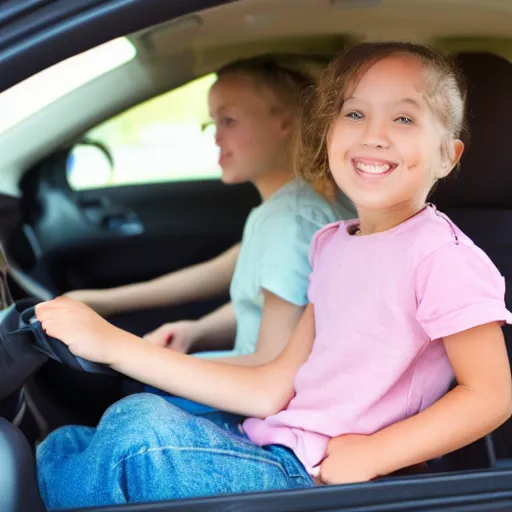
column 90, row 165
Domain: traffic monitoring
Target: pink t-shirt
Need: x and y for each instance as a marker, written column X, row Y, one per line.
column 382, row 305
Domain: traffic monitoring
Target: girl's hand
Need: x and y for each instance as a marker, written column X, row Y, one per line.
column 350, row 458
column 85, row 333
column 179, row 336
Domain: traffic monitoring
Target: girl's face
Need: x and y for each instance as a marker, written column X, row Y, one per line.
column 384, row 149
column 252, row 135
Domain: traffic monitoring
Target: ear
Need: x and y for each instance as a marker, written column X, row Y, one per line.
column 452, row 158
column 284, row 122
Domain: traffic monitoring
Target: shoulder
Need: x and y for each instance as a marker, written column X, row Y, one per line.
column 436, row 234
column 443, row 250
column 296, row 211
column 457, row 286
column 299, row 199
column 323, row 238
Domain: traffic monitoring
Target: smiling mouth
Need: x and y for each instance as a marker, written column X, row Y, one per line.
column 223, row 157
column 369, row 167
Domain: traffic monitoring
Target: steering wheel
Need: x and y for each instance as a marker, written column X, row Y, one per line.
column 28, row 284
column 28, row 331
column 21, row 331
column 54, row 348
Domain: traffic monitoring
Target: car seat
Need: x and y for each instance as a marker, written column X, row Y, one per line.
column 478, row 198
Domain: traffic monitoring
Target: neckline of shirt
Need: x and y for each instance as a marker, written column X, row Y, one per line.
column 348, row 227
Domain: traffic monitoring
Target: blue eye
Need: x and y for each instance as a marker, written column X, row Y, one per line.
column 356, row 116
column 403, row 120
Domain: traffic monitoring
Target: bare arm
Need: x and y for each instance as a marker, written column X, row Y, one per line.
column 200, row 281
column 278, row 321
column 251, row 391
column 480, row 403
column 215, row 331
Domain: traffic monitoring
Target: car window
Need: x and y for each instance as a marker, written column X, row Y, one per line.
column 161, row 140
column 41, row 89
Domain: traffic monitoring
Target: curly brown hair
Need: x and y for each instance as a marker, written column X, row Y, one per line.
column 445, row 94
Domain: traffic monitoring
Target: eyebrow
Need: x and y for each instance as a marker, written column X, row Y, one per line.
column 409, row 101
column 225, row 106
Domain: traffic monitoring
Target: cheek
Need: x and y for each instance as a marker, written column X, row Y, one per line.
column 266, row 142
column 415, row 153
column 241, row 138
column 339, row 140
column 423, row 165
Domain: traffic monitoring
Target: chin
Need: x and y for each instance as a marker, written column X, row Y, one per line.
column 372, row 203
column 231, row 177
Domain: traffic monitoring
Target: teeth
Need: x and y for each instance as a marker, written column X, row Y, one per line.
column 372, row 169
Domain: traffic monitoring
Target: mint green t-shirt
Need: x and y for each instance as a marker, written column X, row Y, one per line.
column 274, row 256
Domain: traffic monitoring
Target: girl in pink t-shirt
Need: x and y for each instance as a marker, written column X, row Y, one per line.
column 401, row 301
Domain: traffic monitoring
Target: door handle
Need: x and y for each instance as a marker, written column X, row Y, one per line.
column 111, row 217
column 126, row 223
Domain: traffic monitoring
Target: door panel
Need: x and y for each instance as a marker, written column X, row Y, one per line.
column 82, row 238
column 487, row 491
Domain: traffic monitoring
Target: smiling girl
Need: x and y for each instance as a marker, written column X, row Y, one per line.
column 400, row 303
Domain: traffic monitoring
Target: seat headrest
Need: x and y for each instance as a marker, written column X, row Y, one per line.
column 485, row 175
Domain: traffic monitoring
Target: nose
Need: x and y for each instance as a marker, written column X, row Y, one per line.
column 217, row 136
column 376, row 133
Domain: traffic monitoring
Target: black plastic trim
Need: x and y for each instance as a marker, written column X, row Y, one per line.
column 60, row 29
column 18, row 482
column 482, row 491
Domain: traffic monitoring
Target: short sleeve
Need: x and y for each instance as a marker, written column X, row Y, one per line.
column 285, row 265
column 458, row 288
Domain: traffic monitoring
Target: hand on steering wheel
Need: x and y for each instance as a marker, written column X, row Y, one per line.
column 54, row 348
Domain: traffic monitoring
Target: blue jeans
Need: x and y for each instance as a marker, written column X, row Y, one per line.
column 145, row 449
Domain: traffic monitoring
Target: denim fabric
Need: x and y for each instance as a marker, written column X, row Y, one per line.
column 145, row 449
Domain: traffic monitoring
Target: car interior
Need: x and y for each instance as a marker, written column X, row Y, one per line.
column 111, row 178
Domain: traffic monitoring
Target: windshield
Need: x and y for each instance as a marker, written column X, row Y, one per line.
column 41, row 89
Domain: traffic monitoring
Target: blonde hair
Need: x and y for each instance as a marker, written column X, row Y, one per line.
column 281, row 75
column 445, row 94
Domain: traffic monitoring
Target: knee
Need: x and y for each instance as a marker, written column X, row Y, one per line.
column 64, row 441
column 139, row 413
column 139, row 404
